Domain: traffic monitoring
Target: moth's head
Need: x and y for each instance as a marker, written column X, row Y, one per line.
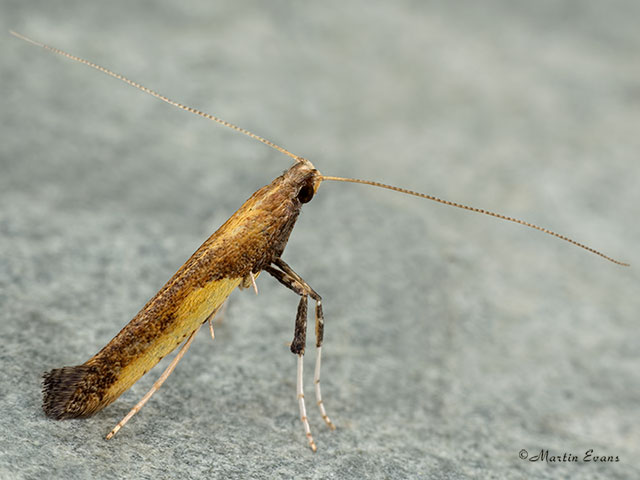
column 304, row 179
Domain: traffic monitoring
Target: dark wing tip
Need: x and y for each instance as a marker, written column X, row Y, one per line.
column 59, row 387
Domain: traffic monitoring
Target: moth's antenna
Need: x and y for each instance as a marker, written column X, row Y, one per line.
column 474, row 209
column 298, row 158
column 156, row 94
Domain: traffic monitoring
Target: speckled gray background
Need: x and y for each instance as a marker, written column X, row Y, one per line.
column 453, row 340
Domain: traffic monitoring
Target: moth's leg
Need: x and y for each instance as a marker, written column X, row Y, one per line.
column 155, row 386
column 316, row 375
column 301, row 288
column 222, row 309
column 319, row 334
column 165, row 374
column 213, row 335
column 253, row 282
column 297, row 347
column 298, row 344
column 250, row 281
column 294, row 282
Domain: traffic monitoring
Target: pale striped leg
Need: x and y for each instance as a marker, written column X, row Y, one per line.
column 253, row 281
column 292, row 280
column 316, row 382
column 213, row 335
column 155, row 387
column 316, row 376
column 222, row 308
column 303, row 409
column 319, row 337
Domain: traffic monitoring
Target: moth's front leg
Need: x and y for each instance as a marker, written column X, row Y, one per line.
column 290, row 279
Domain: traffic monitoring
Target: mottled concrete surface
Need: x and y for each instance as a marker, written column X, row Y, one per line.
column 453, row 341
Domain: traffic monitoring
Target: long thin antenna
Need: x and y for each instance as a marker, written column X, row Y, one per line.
column 474, row 209
column 298, row 158
column 156, row 94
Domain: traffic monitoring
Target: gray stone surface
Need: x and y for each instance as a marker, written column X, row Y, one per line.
column 453, row 340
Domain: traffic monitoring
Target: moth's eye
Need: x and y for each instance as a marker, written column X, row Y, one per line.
column 306, row 193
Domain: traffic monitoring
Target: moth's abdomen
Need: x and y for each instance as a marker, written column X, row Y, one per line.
column 81, row 391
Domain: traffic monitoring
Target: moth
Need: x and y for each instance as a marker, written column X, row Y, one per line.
column 251, row 241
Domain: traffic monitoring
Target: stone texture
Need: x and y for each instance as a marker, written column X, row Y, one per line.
column 452, row 341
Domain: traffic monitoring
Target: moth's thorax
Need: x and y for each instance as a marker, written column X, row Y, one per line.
column 259, row 230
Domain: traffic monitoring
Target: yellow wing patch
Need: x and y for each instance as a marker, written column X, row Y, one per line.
column 192, row 312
